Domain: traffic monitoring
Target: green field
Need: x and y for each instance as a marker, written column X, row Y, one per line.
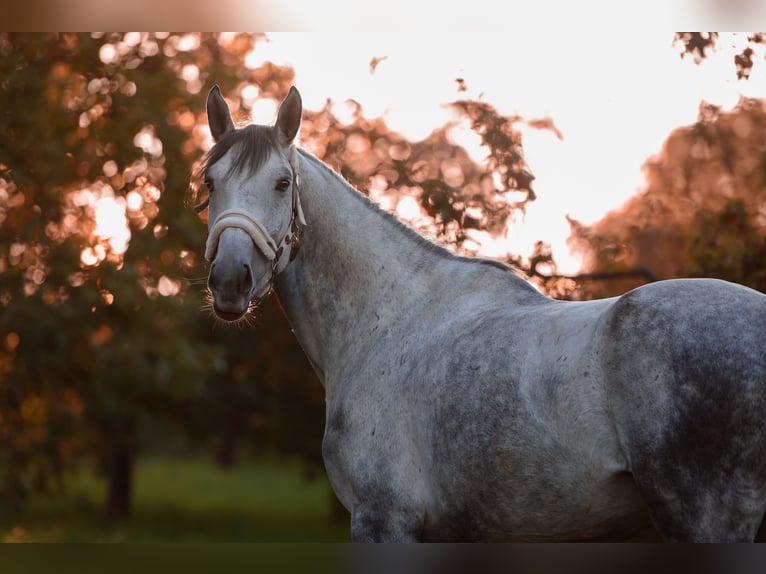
column 187, row 500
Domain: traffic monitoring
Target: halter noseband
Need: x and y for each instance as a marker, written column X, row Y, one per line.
column 235, row 218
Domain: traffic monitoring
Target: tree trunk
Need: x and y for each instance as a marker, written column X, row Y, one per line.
column 119, row 469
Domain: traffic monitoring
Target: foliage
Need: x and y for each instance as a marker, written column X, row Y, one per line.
column 101, row 333
column 699, row 45
column 729, row 244
column 701, row 212
column 100, row 318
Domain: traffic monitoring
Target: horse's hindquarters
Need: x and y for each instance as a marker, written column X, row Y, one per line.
column 688, row 381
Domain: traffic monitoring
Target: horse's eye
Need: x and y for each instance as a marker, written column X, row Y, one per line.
column 283, row 184
column 209, row 185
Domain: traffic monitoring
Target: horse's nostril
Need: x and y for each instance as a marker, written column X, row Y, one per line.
column 247, row 281
column 231, row 278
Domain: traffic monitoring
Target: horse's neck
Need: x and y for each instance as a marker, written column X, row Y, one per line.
column 356, row 269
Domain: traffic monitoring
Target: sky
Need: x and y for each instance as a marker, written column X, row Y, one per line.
column 615, row 94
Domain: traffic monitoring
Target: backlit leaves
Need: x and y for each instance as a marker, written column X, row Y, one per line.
column 701, row 213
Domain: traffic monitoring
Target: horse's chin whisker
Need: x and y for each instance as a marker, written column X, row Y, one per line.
column 249, row 319
column 207, row 300
column 202, row 281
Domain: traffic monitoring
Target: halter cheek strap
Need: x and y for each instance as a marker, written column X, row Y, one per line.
column 279, row 255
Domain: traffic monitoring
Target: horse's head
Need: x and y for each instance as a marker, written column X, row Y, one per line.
column 255, row 215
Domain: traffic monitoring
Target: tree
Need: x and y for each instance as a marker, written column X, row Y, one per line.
column 699, row 46
column 701, row 211
column 91, row 320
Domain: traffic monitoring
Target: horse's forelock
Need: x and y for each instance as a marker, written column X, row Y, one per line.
column 252, row 146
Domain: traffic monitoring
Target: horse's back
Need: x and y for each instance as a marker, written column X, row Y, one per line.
column 686, row 373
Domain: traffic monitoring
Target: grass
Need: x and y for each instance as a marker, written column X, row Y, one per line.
column 187, row 500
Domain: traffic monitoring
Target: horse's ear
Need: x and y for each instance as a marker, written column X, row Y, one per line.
column 289, row 117
column 218, row 114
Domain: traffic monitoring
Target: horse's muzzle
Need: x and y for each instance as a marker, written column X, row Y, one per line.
column 231, row 284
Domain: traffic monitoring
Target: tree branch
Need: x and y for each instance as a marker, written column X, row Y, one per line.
column 598, row 275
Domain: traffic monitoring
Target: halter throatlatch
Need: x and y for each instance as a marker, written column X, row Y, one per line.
column 238, row 219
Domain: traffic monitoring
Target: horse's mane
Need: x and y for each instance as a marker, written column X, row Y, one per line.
column 254, row 144
column 423, row 242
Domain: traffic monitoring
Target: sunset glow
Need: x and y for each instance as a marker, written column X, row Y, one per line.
column 615, row 96
column 110, row 234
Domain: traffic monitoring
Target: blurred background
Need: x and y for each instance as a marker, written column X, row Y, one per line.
column 128, row 413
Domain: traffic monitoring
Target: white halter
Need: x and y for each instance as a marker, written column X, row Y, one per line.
column 240, row 220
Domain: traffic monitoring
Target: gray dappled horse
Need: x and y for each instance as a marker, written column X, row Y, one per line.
column 462, row 404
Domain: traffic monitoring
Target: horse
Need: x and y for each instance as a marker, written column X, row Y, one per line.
column 464, row 404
